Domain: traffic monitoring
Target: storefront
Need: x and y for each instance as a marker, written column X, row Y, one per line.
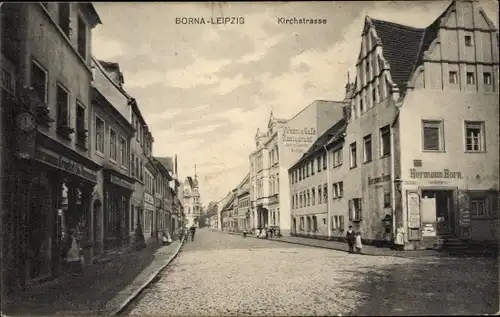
column 118, row 189
column 49, row 195
column 439, row 204
column 149, row 214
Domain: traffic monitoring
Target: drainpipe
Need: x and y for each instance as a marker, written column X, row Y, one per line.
column 393, row 170
column 328, row 200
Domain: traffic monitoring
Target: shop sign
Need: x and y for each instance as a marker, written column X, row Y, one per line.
column 149, row 199
column 413, row 201
column 120, row 182
column 298, row 139
column 446, row 173
column 273, row 200
column 65, row 164
column 380, row 179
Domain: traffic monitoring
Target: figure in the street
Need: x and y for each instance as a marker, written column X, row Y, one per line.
column 140, row 242
column 74, row 255
column 166, row 238
column 193, row 231
column 350, row 237
column 358, row 243
column 400, row 237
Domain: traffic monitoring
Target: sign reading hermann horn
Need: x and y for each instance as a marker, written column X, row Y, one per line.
column 446, row 173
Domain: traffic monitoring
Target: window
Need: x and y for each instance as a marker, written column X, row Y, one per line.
column 337, row 158
column 468, row 40
column 308, row 198
column 374, row 95
column 313, row 196
column 385, row 141
column 432, row 135
column 39, row 81
column 470, row 78
column 312, row 166
column 361, row 105
column 301, row 224
column 307, row 170
column 324, row 161
column 123, row 152
column 387, row 198
column 319, row 194
column 309, row 226
column 474, row 136
column 487, row 78
column 132, row 165
column 355, row 209
column 479, row 207
column 319, row 163
column 334, row 191
column 112, row 145
column 340, row 187
column 99, row 135
column 82, row 38
column 62, row 107
column 325, row 193
column 453, row 77
column 81, row 131
column 315, row 223
column 353, row 155
column 367, row 141
column 64, row 17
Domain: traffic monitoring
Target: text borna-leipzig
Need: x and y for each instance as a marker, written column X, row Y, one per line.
column 210, row 20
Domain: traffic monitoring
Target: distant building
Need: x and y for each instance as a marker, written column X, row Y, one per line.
column 191, row 200
column 277, row 149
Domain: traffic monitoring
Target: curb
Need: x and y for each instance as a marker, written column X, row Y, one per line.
column 335, row 249
column 148, row 282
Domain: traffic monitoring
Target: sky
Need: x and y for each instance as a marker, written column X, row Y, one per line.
column 205, row 89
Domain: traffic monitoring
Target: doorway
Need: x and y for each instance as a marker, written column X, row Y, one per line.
column 445, row 213
column 97, row 208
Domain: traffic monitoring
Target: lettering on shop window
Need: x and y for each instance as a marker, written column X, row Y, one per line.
column 446, row 173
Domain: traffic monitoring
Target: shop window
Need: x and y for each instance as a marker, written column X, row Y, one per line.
column 314, row 223
column 82, row 38
column 474, row 136
column 479, row 207
column 453, row 77
column 39, row 81
column 487, row 78
column 433, row 135
column 385, row 141
column 64, row 17
column 353, row 156
column 81, row 131
column 112, row 144
column 367, row 150
column 99, row 135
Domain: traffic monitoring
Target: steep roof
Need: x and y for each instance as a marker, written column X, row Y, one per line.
column 400, row 48
column 323, row 140
column 229, row 203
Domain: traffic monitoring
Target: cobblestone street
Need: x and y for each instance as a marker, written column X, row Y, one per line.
column 220, row 274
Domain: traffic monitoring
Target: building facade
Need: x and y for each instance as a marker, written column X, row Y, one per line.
column 243, row 205
column 397, row 164
column 111, row 137
column 277, row 150
column 46, row 61
column 191, row 201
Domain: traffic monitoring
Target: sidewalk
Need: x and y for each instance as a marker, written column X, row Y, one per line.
column 341, row 246
column 100, row 290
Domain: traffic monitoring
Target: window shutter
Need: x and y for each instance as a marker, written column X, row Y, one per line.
column 360, row 210
column 351, row 209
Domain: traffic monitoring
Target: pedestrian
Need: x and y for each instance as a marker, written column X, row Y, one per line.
column 193, row 231
column 350, row 237
column 358, row 243
column 400, row 237
column 74, row 255
column 271, row 232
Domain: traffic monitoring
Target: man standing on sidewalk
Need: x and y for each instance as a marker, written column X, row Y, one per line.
column 350, row 237
column 193, row 231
